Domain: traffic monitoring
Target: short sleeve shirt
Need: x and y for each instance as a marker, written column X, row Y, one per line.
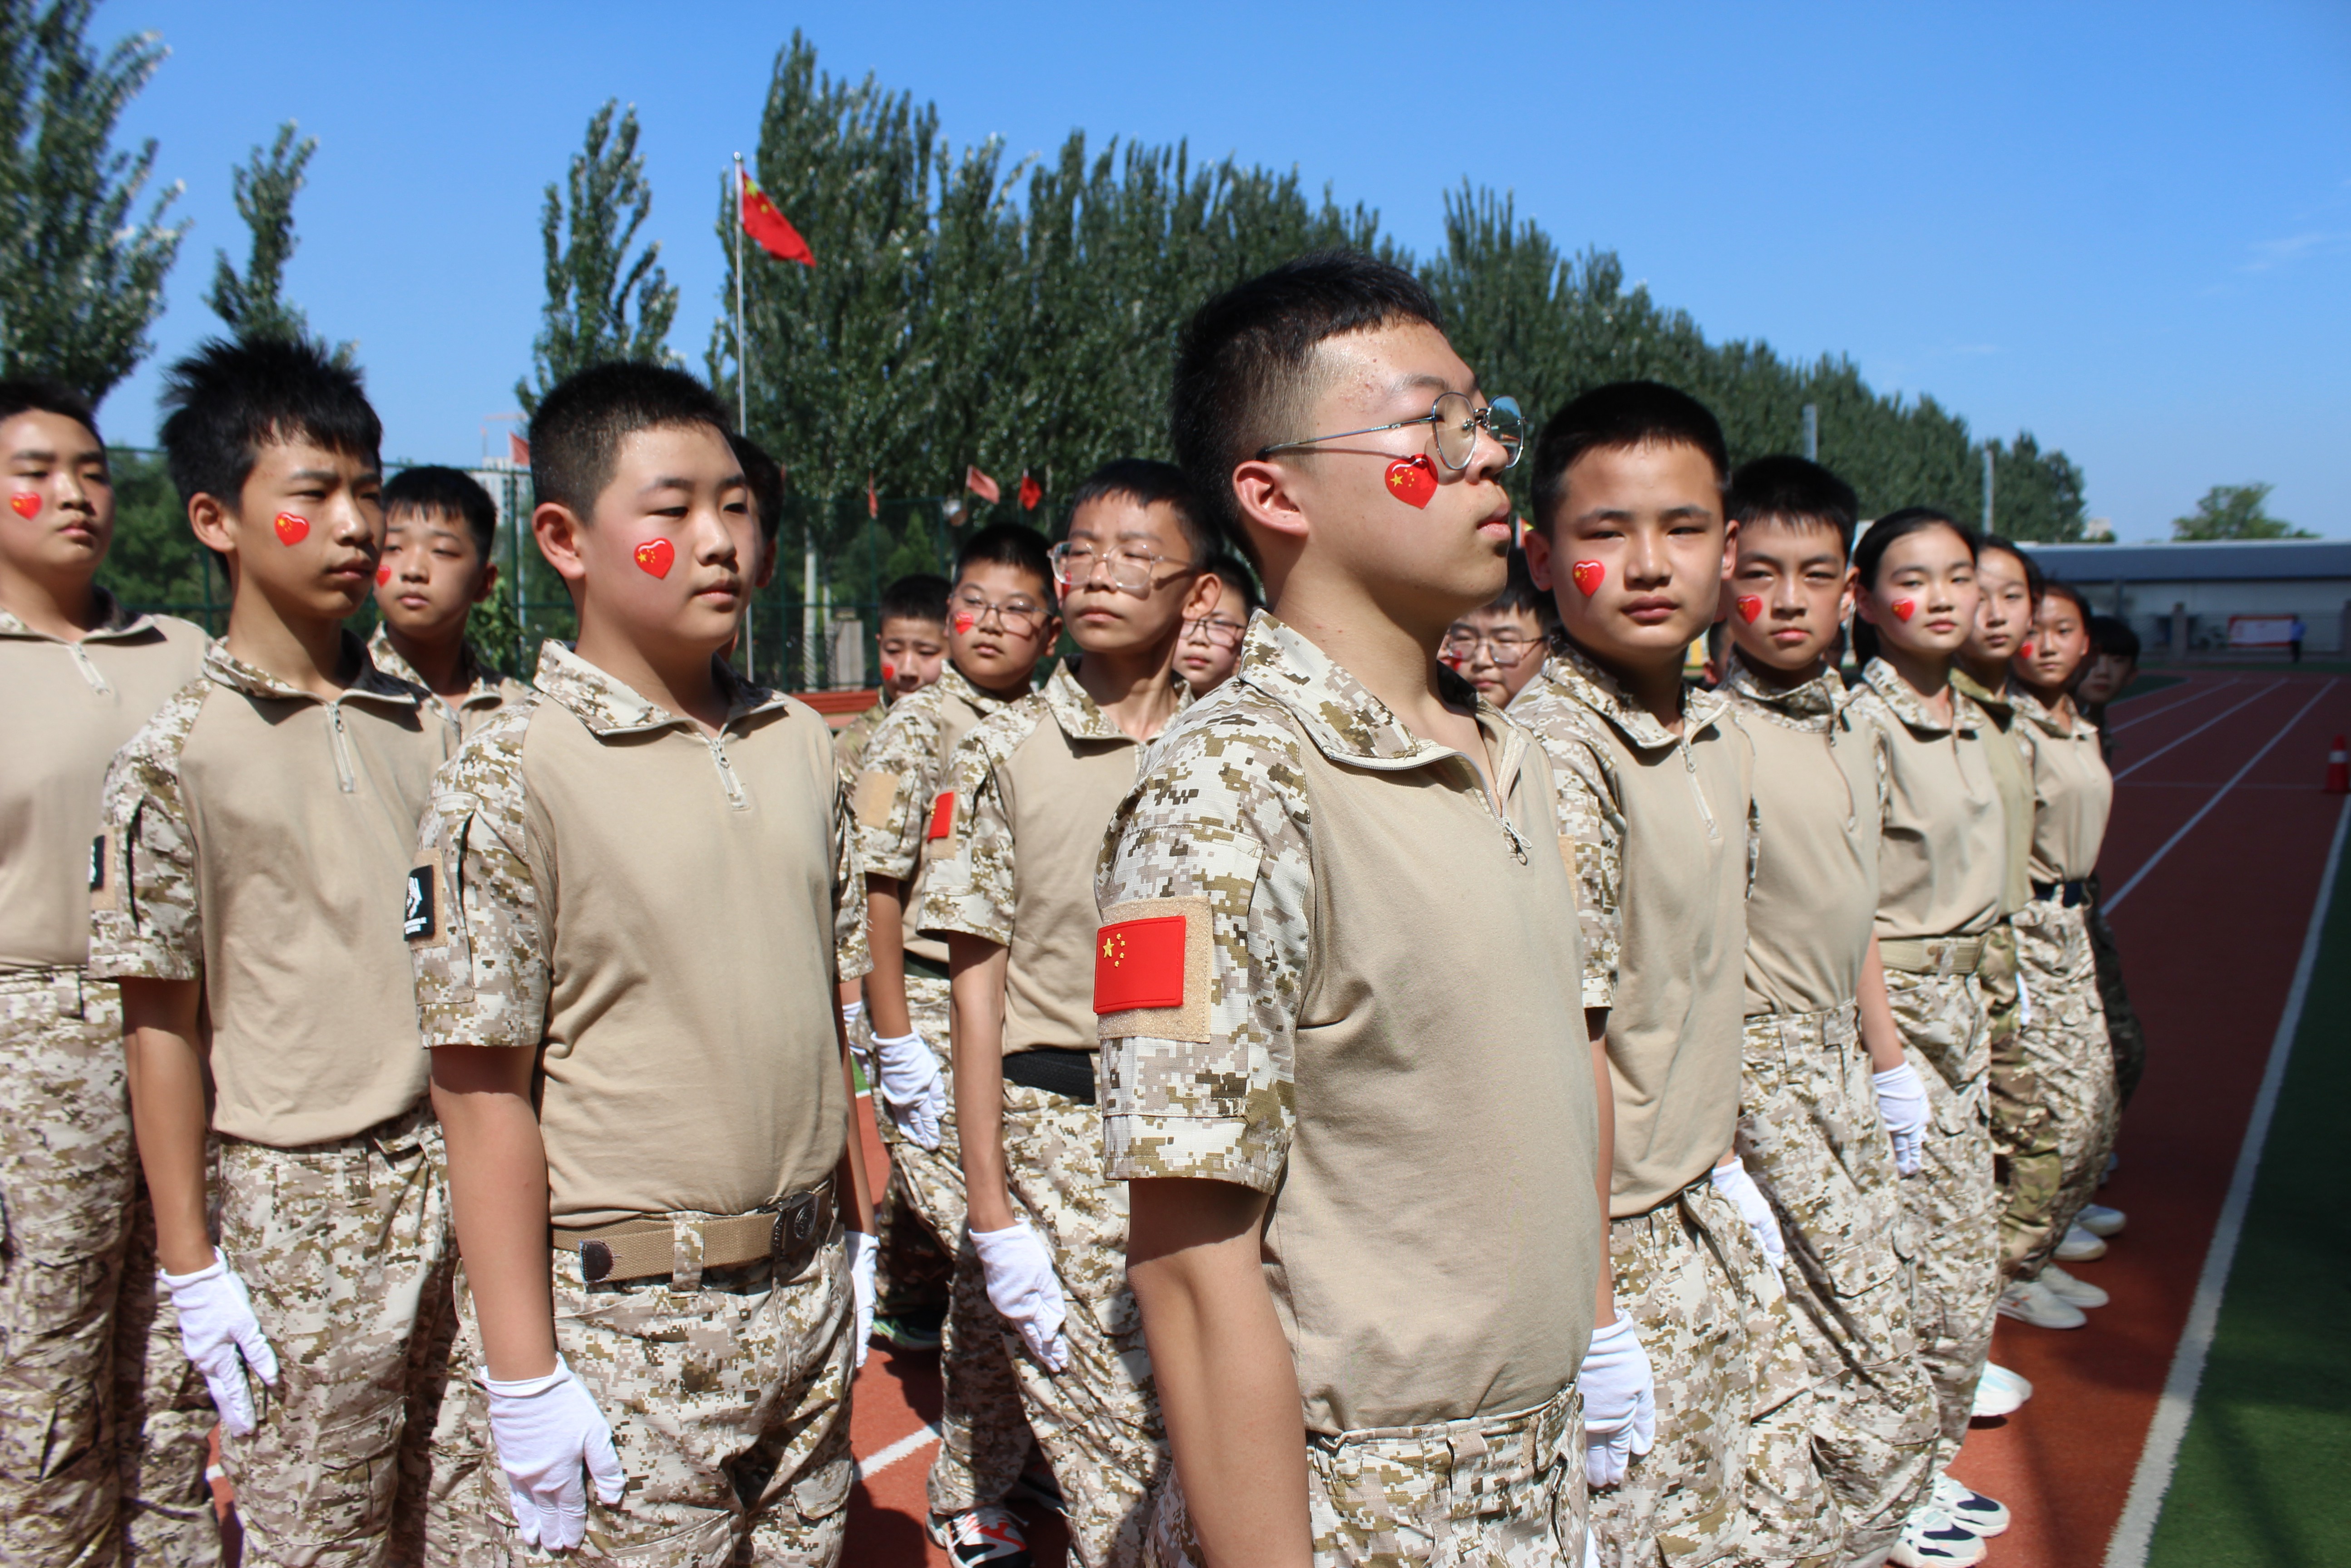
column 661, row 914
column 2009, row 750
column 488, row 688
column 905, row 809
column 2073, row 793
column 1942, row 857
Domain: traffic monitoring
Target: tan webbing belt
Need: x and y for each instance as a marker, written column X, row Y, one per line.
column 1933, row 955
column 642, row 1248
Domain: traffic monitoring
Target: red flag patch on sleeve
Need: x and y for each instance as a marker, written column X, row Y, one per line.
column 941, row 817
column 1139, row 964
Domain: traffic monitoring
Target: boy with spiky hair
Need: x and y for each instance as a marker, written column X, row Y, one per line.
column 633, row 898
column 79, row 676
column 439, row 528
column 251, row 832
column 1345, row 1077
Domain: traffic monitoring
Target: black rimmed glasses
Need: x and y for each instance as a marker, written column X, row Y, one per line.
column 1456, row 420
column 1020, row 615
column 1505, row 648
column 1218, row 631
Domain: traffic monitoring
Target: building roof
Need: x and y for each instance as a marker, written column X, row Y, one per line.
column 2203, row 560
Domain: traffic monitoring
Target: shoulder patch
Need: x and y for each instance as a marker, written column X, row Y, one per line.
column 942, row 823
column 420, row 919
column 1151, row 969
column 871, row 802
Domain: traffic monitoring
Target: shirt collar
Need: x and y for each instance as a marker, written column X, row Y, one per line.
column 481, row 680
column 370, row 684
column 1911, row 708
column 1810, row 705
column 1339, row 712
column 609, row 706
column 2046, row 718
column 1576, row 674
column 1997, row 704
column 115, row 624
column 1079, row 716
column 954, row 683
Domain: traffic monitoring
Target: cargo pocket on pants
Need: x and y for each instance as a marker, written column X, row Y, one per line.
column 824, row 1491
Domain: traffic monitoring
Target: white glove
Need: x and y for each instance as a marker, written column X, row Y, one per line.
column 1902, row 1103
column 850, row 1014
column 862, row 1250
column 546, row 1430
column 1733, row 1182
column 1620, row 1402
column 223, row 1338
column 1020, row 1283
column 913, row 1086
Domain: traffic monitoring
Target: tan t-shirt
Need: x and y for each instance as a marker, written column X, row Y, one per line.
column 2008, row 751
column 1660, row 830
column 256, row 837
column 1942, row 856
column 906, row 811
column 2073, row 793
column 1377, row 1026
column 488, row 688
column 65, row 708
column 663, row 915
column 1815, row 897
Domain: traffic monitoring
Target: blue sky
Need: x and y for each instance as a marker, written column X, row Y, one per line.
column 2125, row 228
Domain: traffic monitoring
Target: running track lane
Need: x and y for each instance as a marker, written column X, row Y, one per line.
column 2210, row 939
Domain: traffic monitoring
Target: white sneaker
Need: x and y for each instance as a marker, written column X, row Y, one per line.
column 2099, row 1220
column 1995, row 1372
column 2067, row 1289
column 1969, row 1509
column 1931, row 1538
column 2081, row 1247
column 2031, row 1302
column 1993, row 1399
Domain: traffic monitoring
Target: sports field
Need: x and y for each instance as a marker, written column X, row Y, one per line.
column 2214, row 863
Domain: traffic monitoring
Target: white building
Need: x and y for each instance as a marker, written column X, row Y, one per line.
column 2183, row 594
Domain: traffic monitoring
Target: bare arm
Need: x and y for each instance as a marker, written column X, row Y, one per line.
column 1228, row 1385
column 976, row 973
column 885, row 937
column 497, row 1196
column 168, row 1116
column 1878, row 1034
column 1603, row 1100
column 849, row 1179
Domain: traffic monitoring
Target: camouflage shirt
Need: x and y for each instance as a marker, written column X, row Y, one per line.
column 488, row 688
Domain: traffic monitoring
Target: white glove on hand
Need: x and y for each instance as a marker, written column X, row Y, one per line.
column 862, row 1250
column 223, row 1338
column 1902, row 1103
column 911, row 1086
column 546, row 1430
column 1733, row 1182
column 1620, row 1403
column 1020, row 1283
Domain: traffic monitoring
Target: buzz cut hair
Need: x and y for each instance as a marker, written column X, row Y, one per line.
column 432, row 490
column 1619, row 417
column 1016, row 545
column 576, row 435
column 1793, row 491
column 45, row 394
column 921, row 596
column 1149, row 484
column 1245, row 363
column 228, row 401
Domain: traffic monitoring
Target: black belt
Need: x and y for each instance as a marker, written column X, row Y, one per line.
column 1069, row 1073
column 2075, row 894
column 918, row 964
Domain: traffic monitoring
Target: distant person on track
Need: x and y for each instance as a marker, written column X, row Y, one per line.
column 2295, row 632
column 1211, row 649
column 2107, row 676
column 1499, row 647
column 439, row 528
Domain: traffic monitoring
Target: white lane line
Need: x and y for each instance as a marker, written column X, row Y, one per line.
column 912, row 1443
column 2135, row 1532
column 2199, row 729
column 2174, row 706
column 2206, row 809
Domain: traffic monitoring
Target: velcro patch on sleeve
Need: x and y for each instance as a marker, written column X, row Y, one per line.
column 942, row 818
column 876, row 792
column 102, row 891
column 420, row 919
column 1151, row 969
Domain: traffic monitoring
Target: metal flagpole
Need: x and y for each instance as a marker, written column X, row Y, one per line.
column 743, row 416
column 1987, row 525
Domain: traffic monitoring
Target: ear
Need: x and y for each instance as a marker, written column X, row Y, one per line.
column 487, row 585
column 765, row 572
column 1850, row 593
column 1538, row 549
column 213, row 522
column 1208, row 589
column 557, row 527
column 1262, row 488
column 1730, row 549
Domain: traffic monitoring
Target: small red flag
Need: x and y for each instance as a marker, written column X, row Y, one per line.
column 772, row 231
column 980, row 484
column 1032, row 492
column 517, row 449
column 941, row 817
column 872, row 501
column 1139, row 964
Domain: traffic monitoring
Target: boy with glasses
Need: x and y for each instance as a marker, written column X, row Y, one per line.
column 1013, row 892
column 1498, row 647
column 1211, row 649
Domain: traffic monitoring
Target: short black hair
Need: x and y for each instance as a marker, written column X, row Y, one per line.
column 1149, row 484
column 576, row 435
column 922, row 596
column 447, row 492
column 765, row 475
column 1235, row 574
column 1244, row 363
column 2054, row 587
column 1520, row 596
column 227, row 400
column 1614, row 418
column 45, row 394
column 1792, row 490
column 1007, row 544
column 2033, row 581
column 2112, row 634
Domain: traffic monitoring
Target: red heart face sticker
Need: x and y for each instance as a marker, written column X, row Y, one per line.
column 1750, row 607
column 383, row 575
column 657, row 556
column 964, row 622
column 1413, row 481
column 1587, row 575
column 2024, row 651
column 889, row 674
column 24, row 502
column 1905, row 608
column 291, row 529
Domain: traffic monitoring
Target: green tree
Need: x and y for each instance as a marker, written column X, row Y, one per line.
column 2235, row 512
column 254, row 303
column 154, row 562
column 593, row 283
column 80, row 281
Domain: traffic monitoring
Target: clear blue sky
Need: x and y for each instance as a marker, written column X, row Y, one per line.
column 2125, row 228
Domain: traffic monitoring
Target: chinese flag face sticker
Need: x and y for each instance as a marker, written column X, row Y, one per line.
column 24, row 502
column 1139, row 964
column 657, row 556
column 291, row 529
column 941, row 817
column 1750, row 607
column 1905, row 608
column 1413, row 481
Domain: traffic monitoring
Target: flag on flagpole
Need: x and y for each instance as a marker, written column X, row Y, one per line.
column 980, row 484
column 1032, row 492
column 872, row 501
column 517, row 449
column 767, row 226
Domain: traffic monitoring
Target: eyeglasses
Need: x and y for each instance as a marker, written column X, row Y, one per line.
column 1505, row 648
column 1077, row 565
column 1221, row 631
column 1457, row 421
column 1019, row 615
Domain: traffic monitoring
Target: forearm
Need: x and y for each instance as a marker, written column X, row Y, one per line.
column 977, row 969
column 885, row 934
column 1879, row 1036
column 1226, row 1382
column 498, row 1196
column 849, row 1179
column 166, row 1077
column 1603, row 1100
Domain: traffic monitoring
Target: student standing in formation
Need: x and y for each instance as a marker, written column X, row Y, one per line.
column 1500, row 646
column 635, row 892
column 439, row 525
column 911, row 634
column 2112, row 666
column 1656, row 815
column 254, row 832
column 1012, row 891
column 79, row 676
column 999, row 623
column 1211, row 649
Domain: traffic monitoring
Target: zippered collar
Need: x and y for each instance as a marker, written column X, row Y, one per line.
column 481, row 677
column 1809, row 705
column 2031, row 707
column 954, row 683
column 115, row 624
column 1577, row 675
column 1911, row 708
column 1079, row 716
column 608, row 707
column 370, row 684
column 1998, row 707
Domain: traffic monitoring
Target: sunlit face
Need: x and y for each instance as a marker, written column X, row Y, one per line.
column 1923, row 603
column 2059, row 645
column 913, row 654
column 1791, row 590
column 307, row 528
column 1209, row 650
column 61, row 513
column 1637, row 549
column 1118, row 533
column 1001, row 621
column 1496, row 651
column 2003, row 607
column 431, row 574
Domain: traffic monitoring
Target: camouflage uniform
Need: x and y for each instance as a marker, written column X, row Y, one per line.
column 164, row 1415
column 852, row 739
column 489, row 688
column 2125, row 1035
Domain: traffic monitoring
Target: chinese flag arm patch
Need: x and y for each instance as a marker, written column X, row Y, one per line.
column 1139, row 963
column 941, row 817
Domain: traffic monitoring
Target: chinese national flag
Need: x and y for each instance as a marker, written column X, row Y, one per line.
column 941, row 817
column 980, row 484
column 517, row 449
column 1032, row 492
column 872, row 501
column 772, row 230
column 1139, row 964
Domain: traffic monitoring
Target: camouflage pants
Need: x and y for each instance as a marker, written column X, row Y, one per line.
column 914, row 1270
column 2025, row 1159
column 1810, row 1133
column 1491, row 1491
column 164, row 1417
column 1097, row 1419
column 1732, row 1477
column 346, row 1249
column 2066, row 1046
column 2127, row 1040
column 73, row 1308
column 1952, row 1205
column 729, row 1398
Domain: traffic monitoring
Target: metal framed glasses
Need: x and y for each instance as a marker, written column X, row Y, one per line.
column 968, row 607
column 1078, row 564
column 1507, row 649
column 1221, row 631
column 1457, row 421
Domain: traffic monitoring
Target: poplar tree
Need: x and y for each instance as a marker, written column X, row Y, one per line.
column 254, row 303
column 605, row 299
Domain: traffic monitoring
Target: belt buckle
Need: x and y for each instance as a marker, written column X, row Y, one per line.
column 798, row 1231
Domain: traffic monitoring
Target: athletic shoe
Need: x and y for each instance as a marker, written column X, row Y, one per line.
column 2022, row 1385
column 1931, row 1538
column 1994, row 1398
column 2067, row 1289
column 910, row 1333
column 2081, row 1247
column 1969, row 1509
column 988, row 1536
column 2100, row 1221
column 2031, row 1302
